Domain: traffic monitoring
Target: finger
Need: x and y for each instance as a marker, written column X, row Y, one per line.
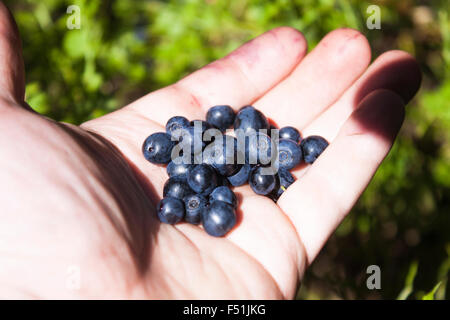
column 237, row 79
column 318, row 202
column 394, row 70
column 12, row 81
column 321, row 77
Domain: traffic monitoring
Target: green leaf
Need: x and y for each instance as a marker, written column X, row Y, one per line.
column 91, row 79
column 75, row 43
column 430, row 295
column 409, row 282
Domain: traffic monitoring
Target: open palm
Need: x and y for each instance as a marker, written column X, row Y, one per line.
column 79, row 202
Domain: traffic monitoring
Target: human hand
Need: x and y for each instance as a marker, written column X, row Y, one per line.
column 78, row 203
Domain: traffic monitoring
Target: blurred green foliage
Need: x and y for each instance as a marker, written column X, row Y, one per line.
column 125, row 49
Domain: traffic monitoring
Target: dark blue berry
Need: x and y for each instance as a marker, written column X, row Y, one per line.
column 184, row 152
column 194, row 205
column 213, row 135
column 222, row 181
column 175, row 125
column 262, row 182
column 221, row 117
column 191, row 141
column 202, row 179
column 170, row 210
column 223, row 194
column 285, row 179
column 258, row 148
column 241, row 177
column 289, row 154
column 178, row 168
column 205, row 125
column 218, row 218
column 176, row 187
column 198, row 158
column 201, row 124
column 312, row 147
column 157, row 148
column 290, row 133
column 222, row 155
column 272, row 127
column 249, row 119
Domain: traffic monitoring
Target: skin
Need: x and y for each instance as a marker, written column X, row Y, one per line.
column 83, row 198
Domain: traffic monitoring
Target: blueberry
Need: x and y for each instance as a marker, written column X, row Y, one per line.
column 175, row 125
column 202, row 179
column 170, row 210
column 191, row 140
column 205, row 125
column 157, row 148
column 222, row 181
column 222, row 155
column 218, row 218
column 289, row 154
column 223, row 194
column 194, row 205
column 212, row 134
column 272, row 127
column 249, row 119
column 241, row 177
column 258, row 148
column 202, row 124
column 222, row 117
column 312, row 147
column 290, row 133
column 262, row 183
column 177, row 167
column 198, row 158
column 285, row 179
column 176, row 187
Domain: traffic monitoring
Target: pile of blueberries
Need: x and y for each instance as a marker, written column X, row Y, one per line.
column 203, row 163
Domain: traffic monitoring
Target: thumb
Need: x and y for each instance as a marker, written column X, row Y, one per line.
column 12, row 75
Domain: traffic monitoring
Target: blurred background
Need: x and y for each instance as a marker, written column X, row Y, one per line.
column 125, row 49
